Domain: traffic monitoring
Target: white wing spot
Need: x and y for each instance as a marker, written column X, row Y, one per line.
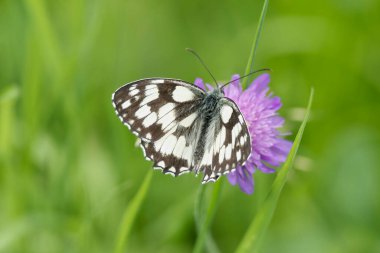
column 157, row 81
column 245, row 138
column 182, row 94
column 228, row 152
column 168, row 145
column 158, row 144
column 226, row 113
column 234, row 135
column 133, row 92
column 239, row 128
column 179, row 147
column 207, row 158
column 149, row 98
column 150, row 86
column 186, row 122
column 187, row 154
column 238, row 155
column 143, row 111
column 165, row 109
column 241, row 119
column 161, row 164
column 222, row 136
column 126, row 104
column 221, row 154
column 151, row 91
column 217, row 143
column 242, row 140
column 167, row 119
column 148, row 135
column 148, row 121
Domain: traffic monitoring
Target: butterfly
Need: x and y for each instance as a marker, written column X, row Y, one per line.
column 183, row 128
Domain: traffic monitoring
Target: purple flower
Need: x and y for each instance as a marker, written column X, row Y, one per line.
column 260, row 112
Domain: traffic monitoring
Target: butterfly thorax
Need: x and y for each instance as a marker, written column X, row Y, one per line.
column 209, row 109
column 210, row 103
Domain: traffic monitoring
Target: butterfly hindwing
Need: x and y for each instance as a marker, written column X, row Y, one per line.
column 164, row 114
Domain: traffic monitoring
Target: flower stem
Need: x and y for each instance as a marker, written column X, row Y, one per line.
column 130, row 214
column 252, row 54
column 259, row 225
column 203, row 223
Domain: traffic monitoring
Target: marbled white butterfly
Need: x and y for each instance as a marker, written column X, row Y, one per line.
column 183, row 128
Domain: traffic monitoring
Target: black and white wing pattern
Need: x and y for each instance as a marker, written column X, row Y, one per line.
column 179, row 132
column 163, row 113
column 228, row 142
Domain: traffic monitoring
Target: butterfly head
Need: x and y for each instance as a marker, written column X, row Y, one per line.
column 217, row 92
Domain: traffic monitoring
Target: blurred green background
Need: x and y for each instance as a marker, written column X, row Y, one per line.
column 68, row 167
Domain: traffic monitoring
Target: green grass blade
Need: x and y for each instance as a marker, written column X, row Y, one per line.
column 252, row 238
column 199, row 220
column 43, row 26
column 255, row 43
column 130, row 214
column 203, row 228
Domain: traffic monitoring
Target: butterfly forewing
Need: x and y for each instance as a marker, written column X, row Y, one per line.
column 164, row 114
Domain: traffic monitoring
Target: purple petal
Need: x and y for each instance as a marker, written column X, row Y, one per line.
column 234, row 89
column 209, row 86
column 199, row 82
column 245, row 180
column 232, row 178
column 250, row 167
column 265, row 168
column 259, row 84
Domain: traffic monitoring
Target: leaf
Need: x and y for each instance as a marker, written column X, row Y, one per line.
column 258, row 227
column 255, row 43
column 203, row 222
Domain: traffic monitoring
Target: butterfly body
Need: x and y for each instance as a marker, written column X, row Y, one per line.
column 182, row 128
column 208, row 110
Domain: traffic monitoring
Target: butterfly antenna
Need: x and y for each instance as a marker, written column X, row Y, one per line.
column 253, row 72
column 204, row 65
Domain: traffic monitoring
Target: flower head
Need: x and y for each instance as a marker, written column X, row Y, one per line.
column 259, row 108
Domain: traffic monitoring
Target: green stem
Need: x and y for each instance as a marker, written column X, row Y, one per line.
column 130, row 214
column 252, row 54
column 206, row 221
column 259, row 225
